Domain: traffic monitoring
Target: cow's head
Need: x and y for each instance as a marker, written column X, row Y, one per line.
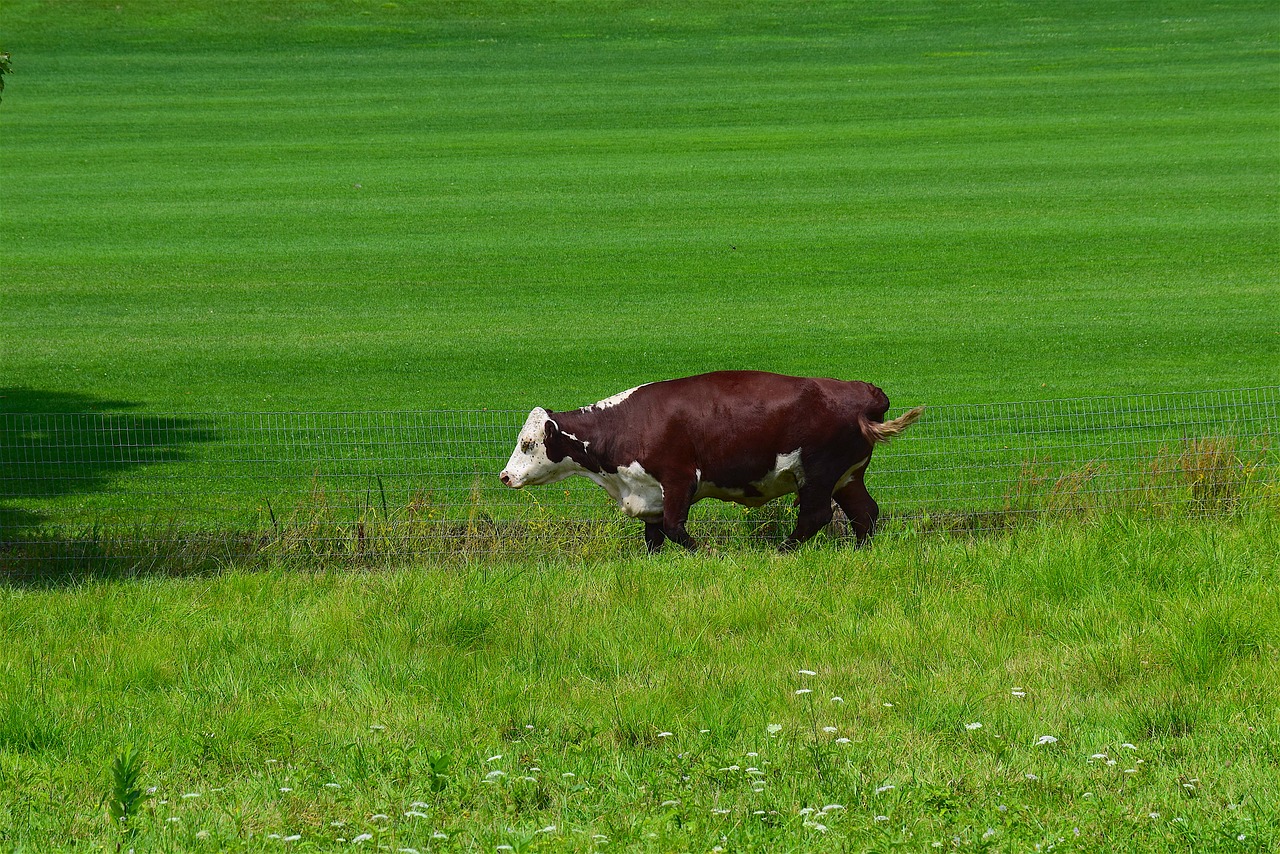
column 538, row 457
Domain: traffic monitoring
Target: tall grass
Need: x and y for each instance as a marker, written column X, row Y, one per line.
column 337, row 525
column 672, row 704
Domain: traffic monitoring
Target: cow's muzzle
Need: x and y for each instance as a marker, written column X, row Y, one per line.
column 505, row 477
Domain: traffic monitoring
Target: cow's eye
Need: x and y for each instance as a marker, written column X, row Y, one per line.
column 527, row 446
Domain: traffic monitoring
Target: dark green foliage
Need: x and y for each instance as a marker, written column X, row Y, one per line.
column 125, row 795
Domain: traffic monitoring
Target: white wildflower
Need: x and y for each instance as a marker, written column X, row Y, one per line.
column 886, row 788
column 973, row 726
column 804, row 691
column 807, row 673
column 1046, row 739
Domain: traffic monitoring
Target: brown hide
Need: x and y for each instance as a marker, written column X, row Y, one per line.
column 729, row 429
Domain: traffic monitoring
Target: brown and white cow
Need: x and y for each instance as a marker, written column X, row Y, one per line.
column 742, row 436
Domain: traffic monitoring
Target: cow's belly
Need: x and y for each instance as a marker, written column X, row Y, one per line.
column 639, row 494
column 786, row 476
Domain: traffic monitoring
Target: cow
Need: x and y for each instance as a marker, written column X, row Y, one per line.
column 741, row 436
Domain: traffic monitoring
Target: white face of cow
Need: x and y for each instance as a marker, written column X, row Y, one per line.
column 529, row 464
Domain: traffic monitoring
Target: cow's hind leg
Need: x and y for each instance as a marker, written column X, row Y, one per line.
column 653, row 536
column 814, row 514
column 859, row 506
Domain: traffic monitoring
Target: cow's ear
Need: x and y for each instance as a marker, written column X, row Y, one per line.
column 553, row 429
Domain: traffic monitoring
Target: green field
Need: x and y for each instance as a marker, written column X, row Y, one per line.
column 338, row 205
column 347, row 205
column 660, row 703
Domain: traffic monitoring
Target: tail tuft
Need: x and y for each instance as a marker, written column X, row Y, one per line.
column 877, row 433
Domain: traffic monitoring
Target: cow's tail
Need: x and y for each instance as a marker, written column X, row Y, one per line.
column 877, row 432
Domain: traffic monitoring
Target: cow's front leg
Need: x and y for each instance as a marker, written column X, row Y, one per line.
column 653, row 536
column 814, row 514
column 677, row 498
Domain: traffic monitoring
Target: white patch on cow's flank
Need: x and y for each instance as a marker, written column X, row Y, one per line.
column 786, row 477
column 848, row 476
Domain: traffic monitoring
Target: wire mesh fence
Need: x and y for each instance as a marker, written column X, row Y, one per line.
column 142, row 491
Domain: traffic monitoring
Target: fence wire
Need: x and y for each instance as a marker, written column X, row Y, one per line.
column 190, row 490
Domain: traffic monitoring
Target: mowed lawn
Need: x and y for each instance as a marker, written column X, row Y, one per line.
column 330, row 206
column 362, row 205
column 1110, row 686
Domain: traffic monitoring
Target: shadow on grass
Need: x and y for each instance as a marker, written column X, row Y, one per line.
column 57, row 445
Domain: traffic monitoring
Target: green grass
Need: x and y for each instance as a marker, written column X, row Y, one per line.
column 250, row 693
column 346, row 205
column 212, row 206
